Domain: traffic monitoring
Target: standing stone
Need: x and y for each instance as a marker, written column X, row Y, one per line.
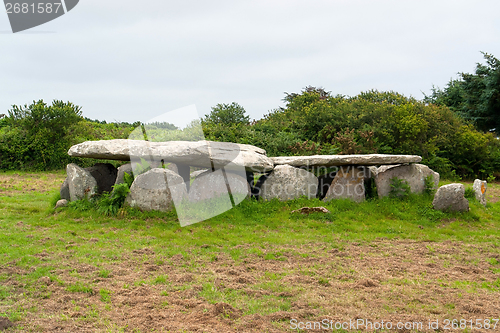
column 286, row 182
column 157, row 189
column 184, row 171
column 348, row 184
column 480, row 191
column 413, row 174
column 451, row 197
column 64, row 191
column 210, row 185
column 126, row 168
column 105, row 176
column 81, row 184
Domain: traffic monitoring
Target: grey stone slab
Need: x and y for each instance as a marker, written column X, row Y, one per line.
column 205, row 154
column 340, row 160
column 81, row 184
column 413, row 174
column 64, row 191
column 348, row 184
column 211, row 185
column 157, row 189
column 286, row 182
column 451, row 197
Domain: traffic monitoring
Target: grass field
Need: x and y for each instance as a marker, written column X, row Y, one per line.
column 255, row 268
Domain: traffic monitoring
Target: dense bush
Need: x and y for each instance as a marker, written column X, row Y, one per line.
column 315, row 122
column 312, row 122
column 227, row 114
column 38, row 136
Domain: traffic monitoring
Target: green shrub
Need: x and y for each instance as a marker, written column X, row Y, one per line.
column 469, row 193
column 38, row 136
column 429, row 185
column 110, row 203
column 399, row 188
column 128, row 179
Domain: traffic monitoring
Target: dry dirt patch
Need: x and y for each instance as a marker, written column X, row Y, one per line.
column 395, row 281
column 13, row 183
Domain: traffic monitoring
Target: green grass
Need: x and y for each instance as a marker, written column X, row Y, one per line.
column 251, row 222
column 29, row 229
column 79, row 288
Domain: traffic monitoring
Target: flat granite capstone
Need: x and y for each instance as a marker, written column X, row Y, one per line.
column 199, row 153
column 339, row 160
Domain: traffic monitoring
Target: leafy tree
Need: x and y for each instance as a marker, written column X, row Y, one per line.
column 451, row 96
column 37, row 135
column 482, row 94
column 227, row 114
column 476, row 97
column 163, row 125
column 320, row 92
column 57, row 118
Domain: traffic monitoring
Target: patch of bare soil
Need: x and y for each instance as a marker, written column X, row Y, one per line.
column 493, row 193
column 5, row 323
column 13, row 184
column 394, row 281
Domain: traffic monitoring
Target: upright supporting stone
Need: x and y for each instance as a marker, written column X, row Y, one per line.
column 157, row 189
column 64, row 191
column 126, row 168
column 105, row 176
column 81, row 183
column 413, row 174
column 185, row 172
column 212, row 185
column 287, row 182
column 348, row 184
column 480, row 191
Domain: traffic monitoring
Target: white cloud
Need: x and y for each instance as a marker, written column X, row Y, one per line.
column 129, row 61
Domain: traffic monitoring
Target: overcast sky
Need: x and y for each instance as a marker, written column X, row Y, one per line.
column 135, row 60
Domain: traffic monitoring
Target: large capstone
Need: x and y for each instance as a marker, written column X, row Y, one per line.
column 480, row 191
column 339, row 160
column 81, row 184
column 348, row 184
column 204, row 154
column 157, row 189
column 413, row 174
column 287, row 182
column 451, row 198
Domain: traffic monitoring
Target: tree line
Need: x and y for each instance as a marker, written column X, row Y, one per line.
column 454, row 129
